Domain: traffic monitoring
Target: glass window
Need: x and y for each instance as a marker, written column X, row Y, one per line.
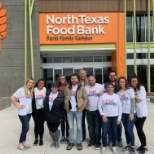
column 77, row 59
column 97, row 58
column 151, row 28
column 67, row 60
column 152, row 77
column 98, row 75
column 57, row 72
column 48, row 77
column 142, row 74
column 89, row 71
column 67, row 72
column 88, row 59
column 57, row 60
column 129, row 29
column 140, row 29
column 152, row 55
column 130, row 55
column 106, row 71
column 49, row 60
column 106, row 58
column 141, row 56
column 130, row 71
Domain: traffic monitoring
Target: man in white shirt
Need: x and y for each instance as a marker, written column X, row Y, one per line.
column 75, row 99
column 94, row 90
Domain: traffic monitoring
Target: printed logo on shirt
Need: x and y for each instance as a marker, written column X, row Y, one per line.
column 110, row 102
column 123, row 97
column 73, row 93
column 39, row 96
column 92, row 93
column 29, row 95
column 51, row 99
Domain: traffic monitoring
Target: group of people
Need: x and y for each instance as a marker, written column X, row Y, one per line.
column 105, row 107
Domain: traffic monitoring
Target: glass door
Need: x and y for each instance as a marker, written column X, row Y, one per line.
column 98, row 75
column 68, row 72
column 57, row 72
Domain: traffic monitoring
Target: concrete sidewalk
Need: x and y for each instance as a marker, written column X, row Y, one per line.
column 10, row 129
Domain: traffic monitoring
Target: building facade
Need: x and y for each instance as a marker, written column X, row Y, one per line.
column 46, row 38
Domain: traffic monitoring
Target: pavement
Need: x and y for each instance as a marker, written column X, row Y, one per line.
column 10, row 129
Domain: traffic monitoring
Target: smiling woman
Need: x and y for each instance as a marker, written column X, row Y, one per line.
column 24, row 94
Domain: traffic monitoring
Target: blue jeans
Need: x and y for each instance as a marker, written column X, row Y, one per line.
column 112, row 123
column 25, row 126
column 94, row 127
column 128, row 126
column 119, row 133
column 77, row 115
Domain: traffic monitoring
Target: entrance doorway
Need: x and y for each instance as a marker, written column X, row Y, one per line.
column 94, row 65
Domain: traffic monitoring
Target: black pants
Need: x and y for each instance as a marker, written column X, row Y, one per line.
column 64, row 126
column 39, row 119
column 83, row 124
column 53, row 126
column 139, row 127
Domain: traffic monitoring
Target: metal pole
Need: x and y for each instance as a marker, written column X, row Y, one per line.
column 25, row 43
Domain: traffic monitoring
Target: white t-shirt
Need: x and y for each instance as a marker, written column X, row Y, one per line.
column 125, row 97
column 141, row 108
column 110, row 105
column 27, row 101
column 73, row 99
column 93, row 97
column 52, row 97
column 39, row 97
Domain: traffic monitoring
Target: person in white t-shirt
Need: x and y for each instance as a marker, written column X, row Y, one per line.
column 38, row 111
column 110, row 109
column 141, row 110
column 75, row 98
column 54, row 113
column 127, row 98
column 24, row 94
column 94, row 91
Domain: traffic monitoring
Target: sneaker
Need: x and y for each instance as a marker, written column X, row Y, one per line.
column 119, row 144
column 144, row 151
column 66, row 140
column 69, row 146
column 126, row 148
column 57, row 145
column 35, row 142
column 22, row 148
column 109, row 143
column 103, row 150
column 40, row 142
column 52, row 144
column 139, row 148
column 114, row 150
column 90, row 145
column 79, row 146
column 62, row 139
column 97, row 147
column 132, row 150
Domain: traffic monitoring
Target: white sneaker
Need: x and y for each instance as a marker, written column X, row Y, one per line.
column 103, row 150
column 114, row 150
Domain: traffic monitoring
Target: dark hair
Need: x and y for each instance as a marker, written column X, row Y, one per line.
column 36, row 85
column 112, row 71
column 139, row 83
column 110, row 84
column 58, row 81
column 126, row 86
column 75, row 74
